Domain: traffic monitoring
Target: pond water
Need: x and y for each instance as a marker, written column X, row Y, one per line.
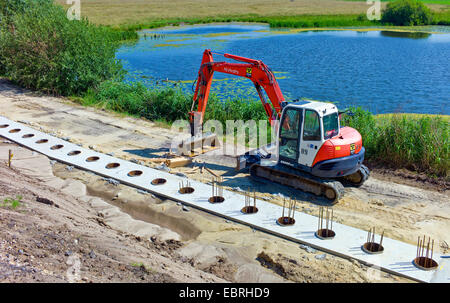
column 382, row 71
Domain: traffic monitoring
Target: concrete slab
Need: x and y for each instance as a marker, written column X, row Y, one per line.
column 397, row 257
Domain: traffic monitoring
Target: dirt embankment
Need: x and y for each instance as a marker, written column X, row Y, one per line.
column 81, row 228
column 207, row 247
column 53, row 234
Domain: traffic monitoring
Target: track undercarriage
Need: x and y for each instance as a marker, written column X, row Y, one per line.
column 332, row 189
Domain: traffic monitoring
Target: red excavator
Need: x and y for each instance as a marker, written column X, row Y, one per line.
column 314, row 153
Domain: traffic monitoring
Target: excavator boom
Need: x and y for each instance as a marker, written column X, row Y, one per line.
column 255, row 70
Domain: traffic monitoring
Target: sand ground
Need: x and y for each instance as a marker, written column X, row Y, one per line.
column 207, row 247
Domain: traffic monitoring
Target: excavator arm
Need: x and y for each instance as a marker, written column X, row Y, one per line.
column 255, row 70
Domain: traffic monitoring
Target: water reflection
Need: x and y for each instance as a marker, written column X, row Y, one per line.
column 412, row 35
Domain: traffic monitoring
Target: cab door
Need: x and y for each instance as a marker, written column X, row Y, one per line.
column 289, row 135
column 311, row 138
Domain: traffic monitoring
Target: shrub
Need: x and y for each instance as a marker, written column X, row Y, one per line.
column 41, row 49
column 9, row 8
column 134, row 98
column 407, row 12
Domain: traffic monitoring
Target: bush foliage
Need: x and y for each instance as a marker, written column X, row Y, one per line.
column 41, row 49
column 407, row 12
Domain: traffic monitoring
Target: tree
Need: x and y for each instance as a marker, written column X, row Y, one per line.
column 407, row 12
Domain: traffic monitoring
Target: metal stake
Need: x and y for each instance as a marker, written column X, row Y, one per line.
column 10, row 155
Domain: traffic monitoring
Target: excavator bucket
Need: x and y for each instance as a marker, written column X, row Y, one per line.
column 197, row 145
column 263, row 153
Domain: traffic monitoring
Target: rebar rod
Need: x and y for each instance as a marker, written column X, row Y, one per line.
column 432, row 248
column 318, row 221
column 423, row 246
column 332, row 215
column 418, row 247
column 293, row 209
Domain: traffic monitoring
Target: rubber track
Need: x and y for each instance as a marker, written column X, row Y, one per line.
column 364, row 171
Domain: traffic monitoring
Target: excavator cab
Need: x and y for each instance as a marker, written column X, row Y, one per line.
column 303, row 130
column 310, row 139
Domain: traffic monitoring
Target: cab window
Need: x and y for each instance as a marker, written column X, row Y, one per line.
column 289, row 134
column 290, row 126
column 330, row 125
column 311, row 129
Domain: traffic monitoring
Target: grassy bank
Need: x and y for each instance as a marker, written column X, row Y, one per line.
column 442, row 18
column 288, row 21
column 442, row 2
column 119, row 12
column 141, row 14
column 165, row 104
column 416, row 142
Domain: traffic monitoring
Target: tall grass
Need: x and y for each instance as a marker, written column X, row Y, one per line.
column 416, row 142
column 442, row 18
column 297, row 21
column 137, row 100
column 320, row 21
column 167, row 104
